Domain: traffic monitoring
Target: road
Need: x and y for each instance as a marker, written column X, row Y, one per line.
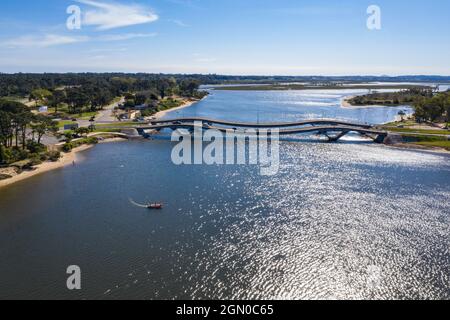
column 106, row 115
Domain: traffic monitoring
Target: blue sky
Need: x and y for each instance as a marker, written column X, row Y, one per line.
column 260, row 37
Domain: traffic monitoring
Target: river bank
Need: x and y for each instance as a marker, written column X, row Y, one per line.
column 65, row 160
column 345, row 103
column 418, row 147
column 186, row 103
column 68, row 158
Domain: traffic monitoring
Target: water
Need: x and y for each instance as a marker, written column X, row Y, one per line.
column 267, row 106
column 346, row 220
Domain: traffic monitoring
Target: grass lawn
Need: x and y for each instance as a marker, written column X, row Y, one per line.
column 423, row 131
column 441, row 144
column 404, row 123
column 105, row 130
column 64, row 122
column 429, row 141
column 117, row 124
column 169, row 103
column 86, row 115
column 15, row 98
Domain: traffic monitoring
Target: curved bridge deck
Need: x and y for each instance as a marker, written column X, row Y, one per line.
column 333, row 122
column 332, row 129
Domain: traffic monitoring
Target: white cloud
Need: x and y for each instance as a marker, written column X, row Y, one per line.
column 50, row 40
column 126, row 36
column 106, row 16
column 179, row 23
column 45, row 41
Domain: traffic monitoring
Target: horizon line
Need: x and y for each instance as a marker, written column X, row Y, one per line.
column 234, row 75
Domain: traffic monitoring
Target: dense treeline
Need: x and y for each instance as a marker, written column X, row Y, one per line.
column 22, row 128
column 22, row 84
column 403, row 97
column 90, row 92
column 434, row 108
column 21, row 132
column 428, row 105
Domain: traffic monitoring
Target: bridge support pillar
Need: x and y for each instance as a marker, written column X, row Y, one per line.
column 380, row 138
column 336, row 138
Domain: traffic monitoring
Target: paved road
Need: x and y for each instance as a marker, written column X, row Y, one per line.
column 106, row 115
column 103, row 116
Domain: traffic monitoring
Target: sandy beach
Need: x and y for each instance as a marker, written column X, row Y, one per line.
column 162, row 114
column 66, row 159
column 345, row 102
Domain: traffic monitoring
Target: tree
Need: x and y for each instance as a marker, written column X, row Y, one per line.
column 82, row 131
column 14, row 119
column 189, row 87
column 58, row 97
column 432, row 109
column 140, row 98
column 129, row 104
column 77, row 100
column 43, row 125
column 165, row 86
column 5, row 155
column 40, row 95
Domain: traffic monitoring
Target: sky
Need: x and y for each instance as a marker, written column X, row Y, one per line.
column 239, row 37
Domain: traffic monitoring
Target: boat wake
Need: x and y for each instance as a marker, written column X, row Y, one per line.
column 137, row 204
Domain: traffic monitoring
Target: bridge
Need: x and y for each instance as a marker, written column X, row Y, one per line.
column 262, row 125
column 332, row 129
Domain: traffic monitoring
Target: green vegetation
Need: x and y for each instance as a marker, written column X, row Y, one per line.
column 404, row 97
column 428, row 141
column 81, row 96
column 21, row 85
column 68, row 146
column 437, row 144
column 428, row 106
column 319, row 86
column 63, row 123
column 115, row 125
column 169, row 103
column 418, row 131
column 434, row 108
column 17, row 124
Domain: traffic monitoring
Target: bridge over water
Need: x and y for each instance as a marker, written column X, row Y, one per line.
column 332, row 129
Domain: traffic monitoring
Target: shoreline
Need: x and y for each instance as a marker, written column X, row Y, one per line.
column 418, row 147
column 68, row 158
column 186, row 104
column 345, row 102
column 65, row 160
column 347, row 105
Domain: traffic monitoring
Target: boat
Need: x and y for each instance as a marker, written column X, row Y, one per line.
column 156, row 206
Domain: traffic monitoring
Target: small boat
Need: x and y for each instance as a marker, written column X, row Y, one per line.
column 156, row 206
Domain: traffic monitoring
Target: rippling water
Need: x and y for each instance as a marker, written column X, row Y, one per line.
column 346, row 220
column 267, row 106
